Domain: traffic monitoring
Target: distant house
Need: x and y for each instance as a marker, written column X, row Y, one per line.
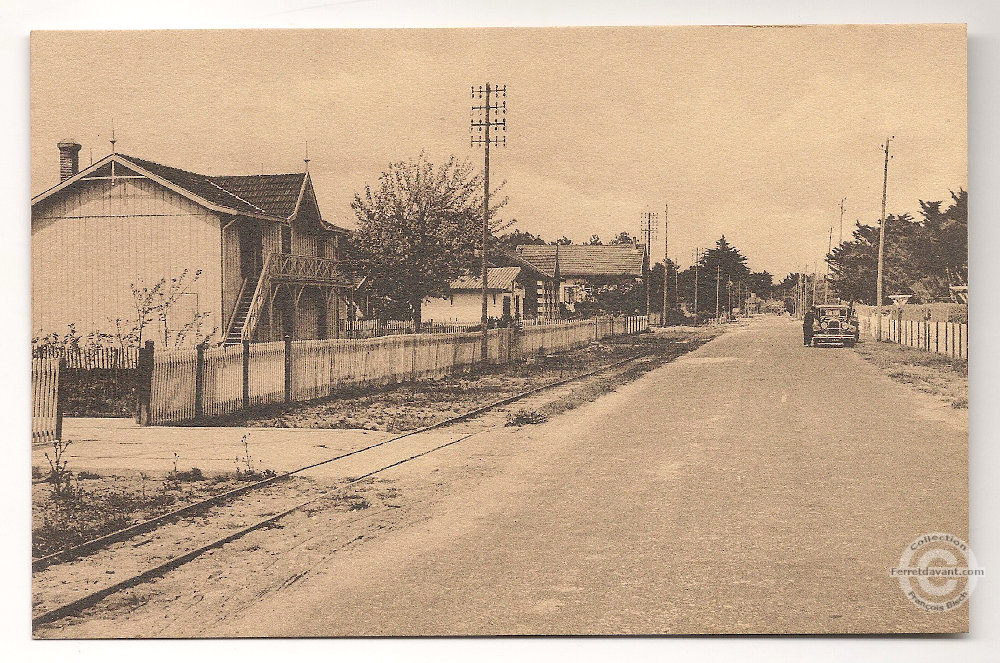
column 584, row 269
column 268, row 261
column 504, row 298
column 517, row 290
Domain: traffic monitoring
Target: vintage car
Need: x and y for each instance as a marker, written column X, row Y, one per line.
column 835, row 324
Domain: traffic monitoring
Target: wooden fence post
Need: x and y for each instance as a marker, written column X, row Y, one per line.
column 288, row 368
column 199, row 381
column 246, row 374
column 144, row 383
column 59, row 397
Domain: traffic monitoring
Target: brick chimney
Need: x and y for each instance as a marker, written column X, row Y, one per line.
column 69, row 158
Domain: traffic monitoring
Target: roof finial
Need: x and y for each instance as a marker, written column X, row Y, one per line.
column 113, row 135
column 307, row 156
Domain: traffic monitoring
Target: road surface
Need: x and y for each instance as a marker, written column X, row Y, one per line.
column 753, row 485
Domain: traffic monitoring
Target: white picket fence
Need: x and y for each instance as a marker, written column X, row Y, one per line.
column 188, row 384
column 946, row 338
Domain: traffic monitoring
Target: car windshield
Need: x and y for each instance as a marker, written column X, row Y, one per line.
column 834, row 312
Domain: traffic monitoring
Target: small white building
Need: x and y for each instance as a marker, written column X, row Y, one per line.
column 505, row 295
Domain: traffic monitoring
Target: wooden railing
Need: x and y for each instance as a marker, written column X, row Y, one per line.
column 236, row 308
column 260, row 295
column 292, row 267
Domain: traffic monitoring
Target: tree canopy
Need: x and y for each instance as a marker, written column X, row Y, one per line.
column 922, row 256
column 418, row 229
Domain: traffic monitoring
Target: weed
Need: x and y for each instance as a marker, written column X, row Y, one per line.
column 36, row 472
column 356, row 502
column 84, row 474
column 960, row 403
column 194, row 474
column 245, row 470
column 59, row 476
column 524, row 417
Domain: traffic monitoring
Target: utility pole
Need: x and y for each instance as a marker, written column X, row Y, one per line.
column 881, row 240
column 826, row 265
column 841, row 240
column 798, row 295
column 729, row 297
column 490, row 116
column 815, row 276
column 666, row 262
column 718, row 279
column 647, row 230
column 697, row 260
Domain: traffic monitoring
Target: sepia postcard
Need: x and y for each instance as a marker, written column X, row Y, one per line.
column 508, row 331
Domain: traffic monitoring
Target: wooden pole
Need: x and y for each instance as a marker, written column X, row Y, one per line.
column 60, row 399
column 484, row 319
column 666, row 262
column 881, row 241
column 144, row 383
column 246, row 374
column 199, row 382
column 288, row 368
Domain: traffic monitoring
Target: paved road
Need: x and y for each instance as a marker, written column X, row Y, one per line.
column 751, row 486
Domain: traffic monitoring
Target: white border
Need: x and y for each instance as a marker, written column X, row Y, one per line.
column 17, row 17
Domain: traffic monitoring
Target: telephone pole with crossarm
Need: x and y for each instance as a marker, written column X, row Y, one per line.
column 491, row 114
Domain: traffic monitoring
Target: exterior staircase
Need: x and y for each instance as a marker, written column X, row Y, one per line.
column 235, row 335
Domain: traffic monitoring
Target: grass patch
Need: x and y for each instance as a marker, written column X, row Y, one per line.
column 525, row 418
column 932, row 373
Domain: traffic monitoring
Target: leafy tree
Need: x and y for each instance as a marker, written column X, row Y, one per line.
column 761, row 284
column 623, row 238
column 511, row 240
column 562, row 241
column 922, row 256
column 419, row 228
column 594, row 240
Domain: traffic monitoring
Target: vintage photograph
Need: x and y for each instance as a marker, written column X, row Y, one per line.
column 500, row 331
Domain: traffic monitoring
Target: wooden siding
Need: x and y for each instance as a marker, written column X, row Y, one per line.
column 231, row 278
column 303, row 240
column 92, row 240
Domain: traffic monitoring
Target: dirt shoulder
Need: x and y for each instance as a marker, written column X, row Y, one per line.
column 414, row 405
column 929, row 372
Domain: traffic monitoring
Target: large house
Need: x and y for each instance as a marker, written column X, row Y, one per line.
column 260, row 260
column 584, row 269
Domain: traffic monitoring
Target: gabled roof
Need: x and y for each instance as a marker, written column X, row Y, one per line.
column 497, row 278
column 585, row 260
column 275, row 197
column 501, row 257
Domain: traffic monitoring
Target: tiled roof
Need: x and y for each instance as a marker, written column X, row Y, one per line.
column 585, row 260
column 274, row 195
column 497, row 278
column 542, row 256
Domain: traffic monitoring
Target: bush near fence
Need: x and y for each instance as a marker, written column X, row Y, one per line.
column 185, row 385
column 946, row 338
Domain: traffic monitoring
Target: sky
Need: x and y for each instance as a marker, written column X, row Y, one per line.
column 752, row 132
